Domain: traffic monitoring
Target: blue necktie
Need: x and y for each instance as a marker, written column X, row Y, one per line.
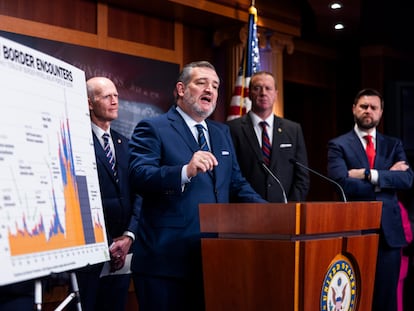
column 109, row 154
column 202, row 142
column 266, row 145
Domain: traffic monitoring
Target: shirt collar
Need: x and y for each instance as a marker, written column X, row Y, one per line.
column 256, row 119
column 189, row 121
column 98, row 131
column 361, row 134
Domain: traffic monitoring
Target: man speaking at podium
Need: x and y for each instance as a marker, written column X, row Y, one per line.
column 373, row 167
column 179, row 160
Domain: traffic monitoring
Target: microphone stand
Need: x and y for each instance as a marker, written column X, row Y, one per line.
column 277, row 180
column 322, row 176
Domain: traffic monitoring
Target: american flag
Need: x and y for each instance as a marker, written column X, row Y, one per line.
column 240, row 103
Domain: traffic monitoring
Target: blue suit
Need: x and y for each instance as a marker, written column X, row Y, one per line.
column 168, row 242
column 346, row 152
column 121, row 214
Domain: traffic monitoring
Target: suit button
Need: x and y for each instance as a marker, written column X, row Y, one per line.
column 269, row 185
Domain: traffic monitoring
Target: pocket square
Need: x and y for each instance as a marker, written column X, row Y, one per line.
column 285, row 145
column 225, row 153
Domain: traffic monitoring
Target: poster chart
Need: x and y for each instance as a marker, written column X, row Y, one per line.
column 51, row 216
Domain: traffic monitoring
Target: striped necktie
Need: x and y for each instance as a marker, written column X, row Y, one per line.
column 109, row 155
column 266, row 145
column 202, row 142
column 370, row 150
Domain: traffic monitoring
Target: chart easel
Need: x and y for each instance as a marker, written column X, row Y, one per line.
column 51, row 215
column 74, row 295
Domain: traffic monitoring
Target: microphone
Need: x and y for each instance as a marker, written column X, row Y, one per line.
column 277, row 179
column 293, row 161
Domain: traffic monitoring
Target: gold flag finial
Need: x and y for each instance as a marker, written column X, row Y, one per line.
column 253, row 11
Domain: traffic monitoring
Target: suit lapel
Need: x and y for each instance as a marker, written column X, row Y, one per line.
column 101, row 157
column 216, row 145
column 120, row 155
column 178, row 123
column 249, row 133
column 380, row 150
column 277, row 134
column 357, row 148
column 216, row 142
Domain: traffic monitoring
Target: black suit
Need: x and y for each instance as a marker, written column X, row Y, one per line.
column 17, row 296
column 121, row 214
column 288, row 143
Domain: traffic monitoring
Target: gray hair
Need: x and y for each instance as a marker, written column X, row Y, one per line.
column 185, row 74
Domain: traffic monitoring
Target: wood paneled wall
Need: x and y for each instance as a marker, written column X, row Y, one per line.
column 76, row 15
column 96, row 25
column 320, row 82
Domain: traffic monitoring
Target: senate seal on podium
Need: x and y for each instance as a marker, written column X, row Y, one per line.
column 340, row 286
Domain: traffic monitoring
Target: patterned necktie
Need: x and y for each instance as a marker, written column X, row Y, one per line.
column 109, row 154
column 370, row 150
column 202, row 138
column 266, row 145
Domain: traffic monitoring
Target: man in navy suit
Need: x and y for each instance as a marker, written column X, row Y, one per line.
column 174, row 174
column 121, row 212
column 285, row 137
column 348, row 164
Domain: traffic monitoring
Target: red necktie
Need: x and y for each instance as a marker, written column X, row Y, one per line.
column 370, row 150
column 266, row 145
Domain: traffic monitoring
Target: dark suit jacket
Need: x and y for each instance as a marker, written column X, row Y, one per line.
column 168, row 241
column 288, row 143
column 121, row 212
column 17, row 296
column 346, row 152
column 117, row 198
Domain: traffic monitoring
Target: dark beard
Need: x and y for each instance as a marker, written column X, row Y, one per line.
column 364, row 125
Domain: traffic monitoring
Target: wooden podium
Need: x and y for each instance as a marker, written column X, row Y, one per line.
column 285, row 256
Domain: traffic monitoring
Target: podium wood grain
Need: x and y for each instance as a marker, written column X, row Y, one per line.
column 275, row 256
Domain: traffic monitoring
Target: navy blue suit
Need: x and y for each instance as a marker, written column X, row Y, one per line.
column 168, row 242
column 121, row 214
column 346, row 152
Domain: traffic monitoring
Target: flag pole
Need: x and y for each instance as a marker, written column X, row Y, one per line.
column 252, row 11
column 250, row 63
